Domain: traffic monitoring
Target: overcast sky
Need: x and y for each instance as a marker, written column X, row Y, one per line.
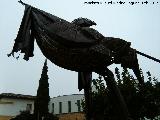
column 138, row 23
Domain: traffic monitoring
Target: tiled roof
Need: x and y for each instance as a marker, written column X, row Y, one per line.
column 16, row 96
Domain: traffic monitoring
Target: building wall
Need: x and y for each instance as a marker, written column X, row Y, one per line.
column 12, row 107
column 72, row 116
column 64, row 100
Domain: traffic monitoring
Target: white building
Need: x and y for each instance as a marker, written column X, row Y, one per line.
column 66, row 104
column 11, row 104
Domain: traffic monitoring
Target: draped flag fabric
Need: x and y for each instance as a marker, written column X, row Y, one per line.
column 37, row 22
column 71, row 45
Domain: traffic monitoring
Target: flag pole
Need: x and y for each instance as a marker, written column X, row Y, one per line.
column 20, row 1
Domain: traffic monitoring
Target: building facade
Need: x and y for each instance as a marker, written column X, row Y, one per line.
column 11, row 104
column 66, row 104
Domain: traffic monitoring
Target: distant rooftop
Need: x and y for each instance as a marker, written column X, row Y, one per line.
column 21, row 96
column 16, row 96
column 67, row 95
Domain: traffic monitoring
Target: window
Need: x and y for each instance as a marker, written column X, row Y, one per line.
column 79, row 105
column 52, row 107
column 60, row 107
column 69, row 106
column 29, row 107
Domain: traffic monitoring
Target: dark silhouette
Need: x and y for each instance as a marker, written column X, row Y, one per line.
column 24, row 115
column 41, row 101
column 75, row 46
column 42, row 98
column 142, row 102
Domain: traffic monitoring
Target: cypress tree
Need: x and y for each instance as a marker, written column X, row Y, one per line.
column 43, row 98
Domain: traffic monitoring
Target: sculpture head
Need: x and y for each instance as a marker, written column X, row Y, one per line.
column 123, row 54
column 83, row 22
column 130, row 60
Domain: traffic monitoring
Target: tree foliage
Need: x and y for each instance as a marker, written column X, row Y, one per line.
column 24, row 115
column 142, row 101
column 42, row 99
column 41, row 102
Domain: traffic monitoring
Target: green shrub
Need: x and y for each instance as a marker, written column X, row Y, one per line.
column 24, row 115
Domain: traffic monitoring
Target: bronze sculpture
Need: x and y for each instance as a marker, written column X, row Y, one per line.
column 75, row 46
